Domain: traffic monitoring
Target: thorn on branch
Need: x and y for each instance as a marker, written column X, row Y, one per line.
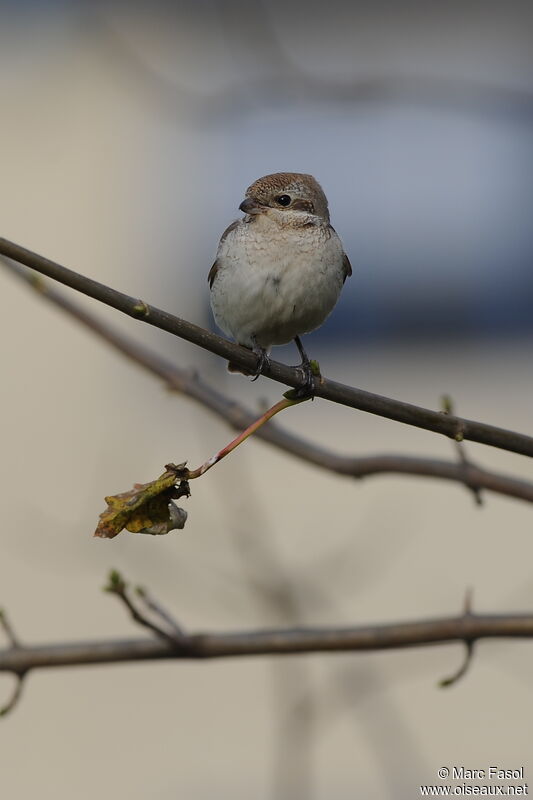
column 8, row 629
column 20, row 675
column 467, row 603
column 469, row 645
column 463, row 669
column 15, row 696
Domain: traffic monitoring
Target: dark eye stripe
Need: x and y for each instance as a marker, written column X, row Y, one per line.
column 304, row 205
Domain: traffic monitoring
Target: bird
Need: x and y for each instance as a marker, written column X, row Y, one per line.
column 279, row 270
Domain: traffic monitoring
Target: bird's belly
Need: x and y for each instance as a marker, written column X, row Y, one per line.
column 292, row 305
column 277, row 299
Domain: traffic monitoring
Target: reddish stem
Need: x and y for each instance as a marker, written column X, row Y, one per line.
column 275, row 409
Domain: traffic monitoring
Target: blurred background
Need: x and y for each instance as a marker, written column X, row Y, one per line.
column 129, row 133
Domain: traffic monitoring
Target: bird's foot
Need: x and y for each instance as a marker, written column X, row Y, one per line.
column 263, row 361
column 310, row 372
column 308, row 389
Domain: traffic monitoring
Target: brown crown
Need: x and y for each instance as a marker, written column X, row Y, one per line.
column 305, row 187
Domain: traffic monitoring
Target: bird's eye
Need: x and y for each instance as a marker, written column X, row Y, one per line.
column 283, row 200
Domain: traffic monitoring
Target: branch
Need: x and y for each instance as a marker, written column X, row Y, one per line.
column 466, row 628
column 446, row 424
column 190, row 384
column 173, row 642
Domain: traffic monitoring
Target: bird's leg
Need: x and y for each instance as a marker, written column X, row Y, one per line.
column 263, row 361
column 308, row 389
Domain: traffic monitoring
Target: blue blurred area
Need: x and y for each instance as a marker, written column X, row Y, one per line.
column 435, row 208
column 419, row 124
column 417, row 118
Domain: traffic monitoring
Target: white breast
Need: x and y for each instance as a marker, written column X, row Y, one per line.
column 274, row 283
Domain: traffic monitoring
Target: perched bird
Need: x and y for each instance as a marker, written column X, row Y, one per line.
column 280, row 269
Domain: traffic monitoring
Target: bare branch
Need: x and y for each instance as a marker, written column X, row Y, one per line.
column 190, row 384
column 467, row 628
column 407, row 413
column 302, row 640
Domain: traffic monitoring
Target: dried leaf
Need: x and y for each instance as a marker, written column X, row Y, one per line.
column 147, row 508
column 175, row 518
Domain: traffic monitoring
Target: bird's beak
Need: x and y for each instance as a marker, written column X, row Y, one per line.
column 251, row 206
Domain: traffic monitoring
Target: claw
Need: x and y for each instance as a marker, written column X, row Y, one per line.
column 263, row 361
column 309, row 387
column 308, row 372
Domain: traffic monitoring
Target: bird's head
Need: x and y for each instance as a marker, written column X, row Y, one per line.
column 288, row 198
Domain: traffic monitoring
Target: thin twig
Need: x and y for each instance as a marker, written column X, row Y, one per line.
column 407, row 413
column 156, row 608
column 281, row 405
column 118, row 586
column 464, row 461
column 190, row 384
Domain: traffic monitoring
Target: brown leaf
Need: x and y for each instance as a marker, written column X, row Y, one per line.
column 147, row 508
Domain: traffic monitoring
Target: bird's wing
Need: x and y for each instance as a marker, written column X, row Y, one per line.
column 346, row 266
column 214, row 269
column 212, row 274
